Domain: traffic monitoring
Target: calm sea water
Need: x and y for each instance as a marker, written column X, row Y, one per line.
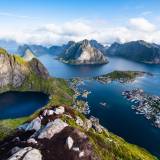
column 19, row 104
column 58, row 69
column 117, row 116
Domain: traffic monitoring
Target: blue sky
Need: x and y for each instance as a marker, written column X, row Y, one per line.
column 21, row 16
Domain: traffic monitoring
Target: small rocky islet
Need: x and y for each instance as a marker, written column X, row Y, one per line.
column 58, row 130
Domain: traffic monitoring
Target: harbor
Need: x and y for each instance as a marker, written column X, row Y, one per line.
column 145, row 104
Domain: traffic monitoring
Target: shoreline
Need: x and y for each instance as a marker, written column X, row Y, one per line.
column 144, row 104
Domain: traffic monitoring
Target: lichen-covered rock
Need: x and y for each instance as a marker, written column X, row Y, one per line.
column 87, row 124
column 81, row 154
column 50, row 112
column 95, row 124
column 33, row 154
column 79, row 121
column 33, row 125
column 15, row 149
column 52, row 128
column 32, row 141
column 18, row 155
column 59, row 110
column 27, row 153
column 69, row 142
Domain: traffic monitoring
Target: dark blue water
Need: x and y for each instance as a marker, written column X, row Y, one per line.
column 117, row 116
column 58, row 69
column 19, row 104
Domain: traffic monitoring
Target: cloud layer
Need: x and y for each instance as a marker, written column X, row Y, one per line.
column 135, row 29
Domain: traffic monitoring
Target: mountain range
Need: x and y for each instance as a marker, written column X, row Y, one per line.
column 139, row 51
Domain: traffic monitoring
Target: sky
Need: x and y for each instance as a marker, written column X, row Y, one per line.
column 51, row 22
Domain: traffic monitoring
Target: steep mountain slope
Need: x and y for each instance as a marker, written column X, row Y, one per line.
column 56, row 50
column 136, row 50
column 98, row 46
column 82, row 53
column 29, row 55
column 15, row 69
column 37, row 50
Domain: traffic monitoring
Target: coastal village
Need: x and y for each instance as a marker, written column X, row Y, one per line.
column 142, row 103
column 145, row 104
column 83, row 106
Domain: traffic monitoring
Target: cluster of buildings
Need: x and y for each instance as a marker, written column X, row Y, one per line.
column 145, row 104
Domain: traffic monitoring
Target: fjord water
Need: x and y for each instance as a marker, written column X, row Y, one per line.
column 20, row 104
column 61, row 70
column 117, row 116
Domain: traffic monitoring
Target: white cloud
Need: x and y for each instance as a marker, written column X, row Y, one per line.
column 142, row 24
column 50, row 34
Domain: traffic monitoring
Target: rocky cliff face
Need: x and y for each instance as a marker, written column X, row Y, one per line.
column 28, row 55
column 39, row 68
column 37, row 50
column 14, row 69
column 137, row 50
column 82, row 53
column 98, row 45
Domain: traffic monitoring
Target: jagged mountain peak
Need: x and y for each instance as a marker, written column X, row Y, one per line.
column 82, row 53
column 29, row 55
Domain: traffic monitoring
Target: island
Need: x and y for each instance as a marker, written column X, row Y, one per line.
column 145, row 104
column 58, row 129
column 120, row 76
column 82, row 52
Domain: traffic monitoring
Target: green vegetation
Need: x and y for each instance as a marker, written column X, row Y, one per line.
column 8, row 126
column 124, row 75
column 109, row 146
column 3, row 51
column 57, row 89
column 19, row 59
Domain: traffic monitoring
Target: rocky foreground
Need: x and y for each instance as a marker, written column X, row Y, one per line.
column 49, row 136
